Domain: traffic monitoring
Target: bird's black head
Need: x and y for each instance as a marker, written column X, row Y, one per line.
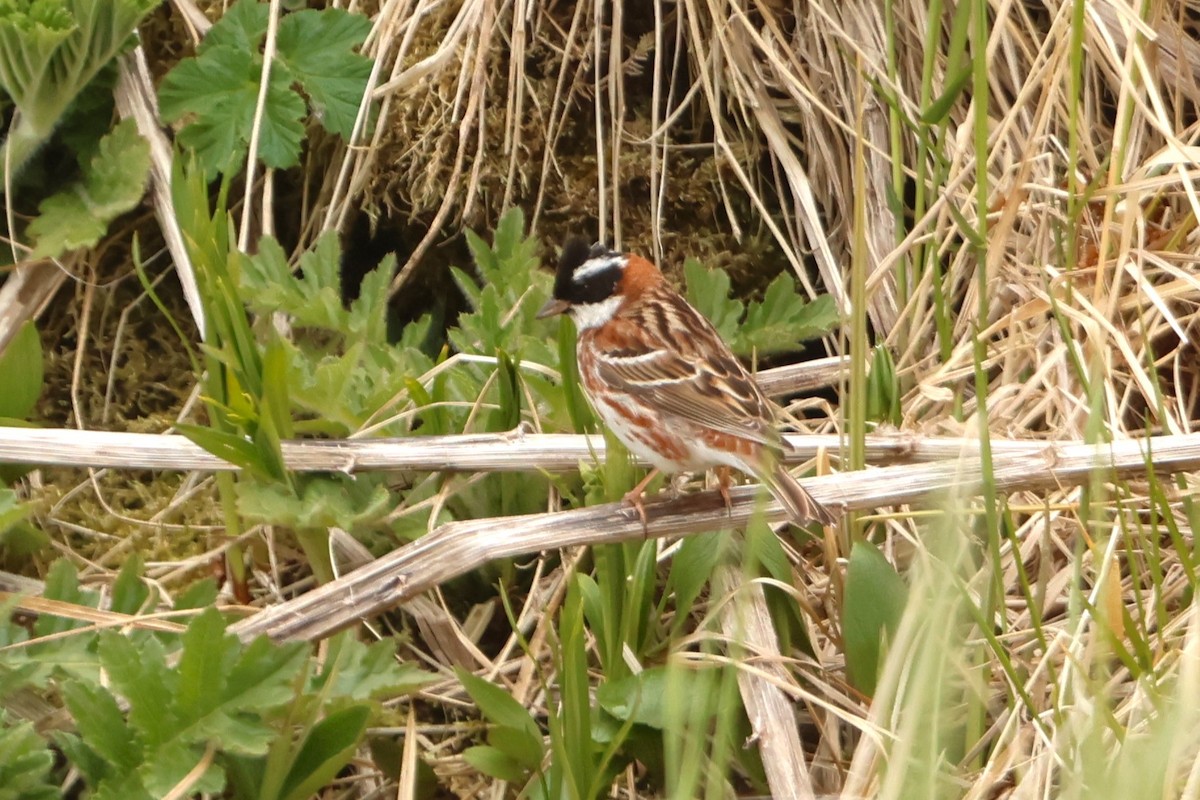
column 588, row 278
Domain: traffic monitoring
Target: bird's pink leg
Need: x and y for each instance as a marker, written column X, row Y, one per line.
column 723, row 488
column 634, row 496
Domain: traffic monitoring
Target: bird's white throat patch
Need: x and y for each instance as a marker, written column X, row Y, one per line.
column 593, row 315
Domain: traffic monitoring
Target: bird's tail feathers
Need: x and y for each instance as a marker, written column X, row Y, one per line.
column 795, row 498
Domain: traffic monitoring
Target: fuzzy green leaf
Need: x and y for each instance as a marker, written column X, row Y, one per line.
column 320, row 501
column 113, row 183
column 25, row 763
column 21, row 366
column 51, row 49
column 638, row 698
column 317, row 47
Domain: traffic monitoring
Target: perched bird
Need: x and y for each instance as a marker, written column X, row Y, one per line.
column 660, row 376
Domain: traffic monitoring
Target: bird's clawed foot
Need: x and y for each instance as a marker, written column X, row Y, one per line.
column 634, row 498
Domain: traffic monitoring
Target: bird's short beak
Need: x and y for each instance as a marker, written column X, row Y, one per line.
column 553, row 308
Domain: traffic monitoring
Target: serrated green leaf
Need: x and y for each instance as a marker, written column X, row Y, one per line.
column 495, row 763
column 203, row 666
column 113, row 183
column 242, row 27
column 129, row 593
column 62, row 583
column 52, row 50
column 317, row 47
column 262, row 677
column 21, row 365
column 220, row 88
column 327, row 748
column 140, row 674
column 708, row 292
column 783, row 319
column 101, row 723
column 875, row 597
column 362, row 672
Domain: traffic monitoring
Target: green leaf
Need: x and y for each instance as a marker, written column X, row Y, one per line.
column 362, row 672
column 113, row 183
column 708, row 292
column 517, row 735
column 638, row 698
column 51, row 49
column 220, row 90
column 167, row 766
column 25, row 763
column 141, row 675
column 875, row 596
column 21, row 366
column 12, row 510
column 129, row 593
column 328, row 747
column 203, row 666
column 101, row 723
column 323, row 501
column 316, row 46
column 495, row 763
column 692, row 567
column 783, row 319
column 243, row 27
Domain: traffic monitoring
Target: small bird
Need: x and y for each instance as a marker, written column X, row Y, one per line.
column 660, row 376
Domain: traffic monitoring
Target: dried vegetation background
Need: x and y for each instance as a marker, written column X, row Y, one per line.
column 826, row 138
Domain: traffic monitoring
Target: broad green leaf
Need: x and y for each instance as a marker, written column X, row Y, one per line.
column 21, row 366
column 783, row 319
column 328, row 747
column 113, row 183
column 875, row 596
column 242, row 27
column 324, row 501
column 638, row 698
column 262, row 677
column 692, row 567
column 317, row 47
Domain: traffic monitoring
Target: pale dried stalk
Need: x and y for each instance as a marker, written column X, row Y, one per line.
column 746, row 622
column 459, row 547
column 515, row 451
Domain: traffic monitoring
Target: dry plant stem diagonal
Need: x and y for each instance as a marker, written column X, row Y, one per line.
column 458, row 547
